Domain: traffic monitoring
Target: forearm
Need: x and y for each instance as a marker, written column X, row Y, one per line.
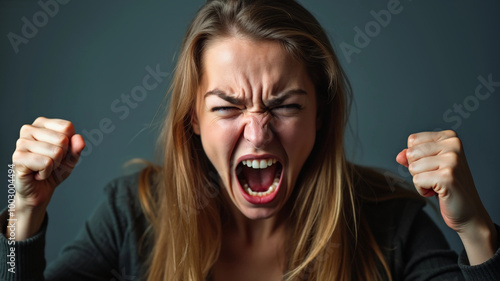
column 24, row 222
column 480, row 241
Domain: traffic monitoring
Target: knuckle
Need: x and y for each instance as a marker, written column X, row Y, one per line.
column 48, row 163
column 25, row 129
column 453, row 158
column 16, row 156
column 453, row 144
column 447, row 175
column 411, row 168
column 411, row 139
column 62, row 140
column 410, row 153
column 457, row 143
column 67, row 127
column 40, row 119
column 58, row 152
column 20, row 143
column 416, row 180
column 450, row 133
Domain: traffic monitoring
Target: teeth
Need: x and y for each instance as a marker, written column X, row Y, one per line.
column 260, row 193
column 259, row 164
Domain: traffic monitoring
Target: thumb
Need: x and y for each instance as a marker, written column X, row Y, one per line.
column 76, row 146
column 401, row 158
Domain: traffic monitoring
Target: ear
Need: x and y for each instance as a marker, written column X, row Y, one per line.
column 194, row 122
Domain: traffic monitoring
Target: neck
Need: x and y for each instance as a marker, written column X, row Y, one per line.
column 258, row 231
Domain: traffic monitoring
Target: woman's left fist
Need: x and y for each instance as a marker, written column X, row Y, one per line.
column 437, row 162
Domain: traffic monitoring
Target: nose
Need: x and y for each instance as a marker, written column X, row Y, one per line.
column 257, row 129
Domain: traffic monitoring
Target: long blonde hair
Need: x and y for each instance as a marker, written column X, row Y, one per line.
column 328, row 239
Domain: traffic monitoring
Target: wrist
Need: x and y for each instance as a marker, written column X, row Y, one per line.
column 480, row 240
column 24, row 220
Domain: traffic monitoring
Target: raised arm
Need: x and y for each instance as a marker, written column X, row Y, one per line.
column 439, row 168
column 46, row 153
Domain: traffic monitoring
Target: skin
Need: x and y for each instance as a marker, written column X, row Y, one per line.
column 254, row 72
column 439, row 168
column 45, row 155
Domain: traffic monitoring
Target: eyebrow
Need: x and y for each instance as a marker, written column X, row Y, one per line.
column 279, row 99
column 224, row 96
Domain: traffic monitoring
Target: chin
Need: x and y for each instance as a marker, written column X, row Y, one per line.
column 258, row 213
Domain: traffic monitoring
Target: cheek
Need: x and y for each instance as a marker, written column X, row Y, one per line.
column 218, row 139
column 298, row 137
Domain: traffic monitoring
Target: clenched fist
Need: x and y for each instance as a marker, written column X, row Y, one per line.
column 437, row 162
column 46, row 153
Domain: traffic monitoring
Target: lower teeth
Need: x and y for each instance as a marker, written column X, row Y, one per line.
column 259, row 193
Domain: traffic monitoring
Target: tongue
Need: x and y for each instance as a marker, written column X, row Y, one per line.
column 259, row 179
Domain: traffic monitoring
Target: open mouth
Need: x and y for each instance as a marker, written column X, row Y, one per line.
column 259, row 179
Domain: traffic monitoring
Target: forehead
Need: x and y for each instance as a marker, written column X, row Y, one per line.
column 245, row 61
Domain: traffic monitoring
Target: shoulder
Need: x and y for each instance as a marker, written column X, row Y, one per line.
column 123, row 190
column 387, row 202
column 122, row 201
column 406, row 235
column 122, row 211
column 122, row 187
column 393, row 218
column 393, row 210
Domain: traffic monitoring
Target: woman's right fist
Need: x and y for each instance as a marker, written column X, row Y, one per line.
column 46, row 153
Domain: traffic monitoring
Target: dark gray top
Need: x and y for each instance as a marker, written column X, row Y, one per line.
column 107, row 247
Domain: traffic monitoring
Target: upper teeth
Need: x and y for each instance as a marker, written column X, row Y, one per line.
column 259, row 164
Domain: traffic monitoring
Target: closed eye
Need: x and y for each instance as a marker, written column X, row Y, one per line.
column 226, row 111
column 289, row 106
column 223, row 109
column 286, row 109
column 292, row 107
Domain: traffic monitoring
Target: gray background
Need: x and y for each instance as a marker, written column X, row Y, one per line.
column 89, row 53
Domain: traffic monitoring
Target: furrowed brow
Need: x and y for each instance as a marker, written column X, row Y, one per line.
column 284, row 96
column 224, row 96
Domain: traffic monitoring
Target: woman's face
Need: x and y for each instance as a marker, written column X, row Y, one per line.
column 256, row 116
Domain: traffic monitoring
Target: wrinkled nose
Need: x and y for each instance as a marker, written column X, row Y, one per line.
column 257, row 130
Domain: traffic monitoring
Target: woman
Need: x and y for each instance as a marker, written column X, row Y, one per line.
column 254, row 184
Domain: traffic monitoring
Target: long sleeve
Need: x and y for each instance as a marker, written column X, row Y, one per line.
column 415, row 248
column 489, row 270
column 426, row 253
column 429, row 258
column 105, row 249
column 22, row 260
